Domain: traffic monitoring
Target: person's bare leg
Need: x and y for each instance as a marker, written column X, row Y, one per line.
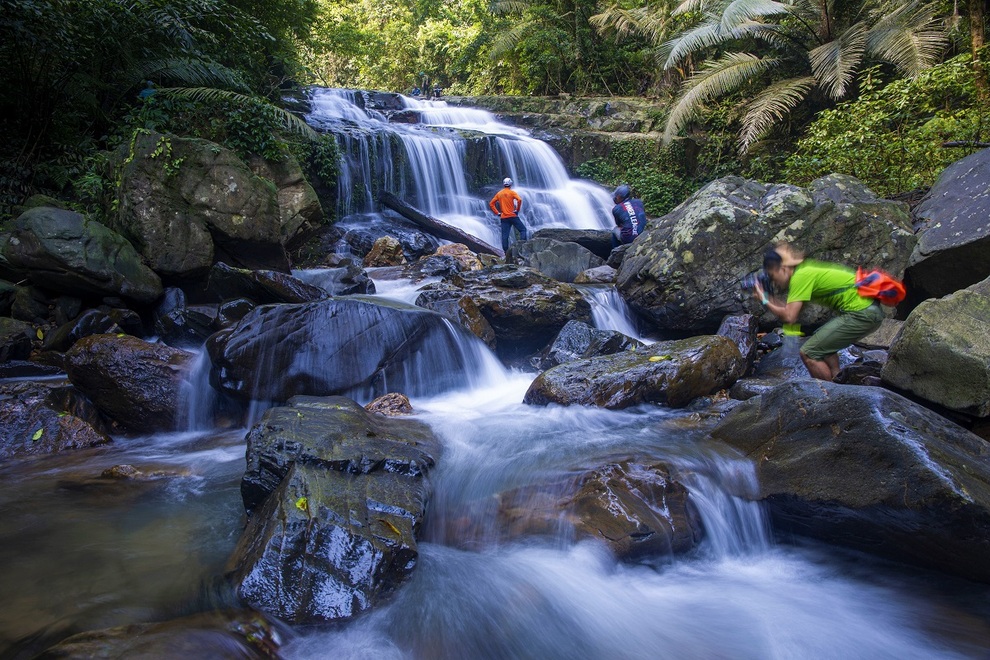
column 833, row 364
column 820, row 369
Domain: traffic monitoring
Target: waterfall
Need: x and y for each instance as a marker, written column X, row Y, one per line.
column 197, row 398
column 610, row 312
column 425, row 161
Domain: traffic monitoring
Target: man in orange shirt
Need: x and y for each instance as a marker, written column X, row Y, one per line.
column 506, row 204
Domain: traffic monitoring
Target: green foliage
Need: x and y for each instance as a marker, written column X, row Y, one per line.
column 324, row 158
column 891, row 137
column 656, row 175
column 784, row 55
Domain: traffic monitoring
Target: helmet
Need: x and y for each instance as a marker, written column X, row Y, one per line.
column 506, row 182
column 622, row 193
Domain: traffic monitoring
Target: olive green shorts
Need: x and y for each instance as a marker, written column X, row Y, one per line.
column 842, row 331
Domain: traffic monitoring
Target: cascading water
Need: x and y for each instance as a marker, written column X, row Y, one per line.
column 434, row 175
column 610, row 312
column 80, row 552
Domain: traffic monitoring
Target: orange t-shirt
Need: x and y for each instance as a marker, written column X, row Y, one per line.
column 506, row 203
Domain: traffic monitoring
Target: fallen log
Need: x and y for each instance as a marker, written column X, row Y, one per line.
column 438, row 228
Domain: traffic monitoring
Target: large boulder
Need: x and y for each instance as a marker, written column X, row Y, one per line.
column 953, row 249
column 63, row 251
column 558, row 260
column 671, row 372
column 46, row 418
column 186, row 203
column 261, row 286
column 684, row 272
column 134, row 382
column 867, row 468
column 336, row 346
column 299, row 207
column 337, row 497
column 942, row 352
column 636, row 509
column 525, row 308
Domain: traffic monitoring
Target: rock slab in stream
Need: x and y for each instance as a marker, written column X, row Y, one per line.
column 134, row 382
column 336, row 346
column 338, row 497
column 525, row 308
column 866, row 468
column 46, row 418
column 636, row 509
column 672, row 373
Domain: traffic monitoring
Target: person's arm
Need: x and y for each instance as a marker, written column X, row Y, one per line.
column 787, row 312
column 493, row 205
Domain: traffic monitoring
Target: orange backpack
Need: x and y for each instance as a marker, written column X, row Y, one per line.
column 880, row 286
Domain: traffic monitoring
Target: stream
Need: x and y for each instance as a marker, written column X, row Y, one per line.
column 82, row 553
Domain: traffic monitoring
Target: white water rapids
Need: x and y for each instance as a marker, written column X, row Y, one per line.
column 79, row 554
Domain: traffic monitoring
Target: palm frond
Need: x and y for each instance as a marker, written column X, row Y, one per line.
column 910, row 37
column 738, row 12
column 286, row 119
column 706, row 35
column 835, row 63
column 187, row 72
column 507, row 40
column 770, row 106
column 716, row 79
column 642, row 20
column 688, row 6
column 510, row 6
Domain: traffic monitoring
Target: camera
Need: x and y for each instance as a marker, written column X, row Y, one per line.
column 749, row 281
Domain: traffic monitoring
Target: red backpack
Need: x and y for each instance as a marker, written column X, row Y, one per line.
column 880, row 286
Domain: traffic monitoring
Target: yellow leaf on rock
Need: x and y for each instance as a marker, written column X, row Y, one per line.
column 39, row 334
column 302, row 504
column 659, row 358
column 390, row 526
column 37, row 434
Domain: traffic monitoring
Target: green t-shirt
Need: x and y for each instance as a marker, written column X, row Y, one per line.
column 826, row 284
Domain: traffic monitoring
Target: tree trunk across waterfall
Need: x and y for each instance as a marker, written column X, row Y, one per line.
column 438, row 228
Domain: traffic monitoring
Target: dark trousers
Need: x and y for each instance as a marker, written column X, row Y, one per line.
column 507, row 225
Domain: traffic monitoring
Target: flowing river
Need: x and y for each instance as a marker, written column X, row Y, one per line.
column 80, row 553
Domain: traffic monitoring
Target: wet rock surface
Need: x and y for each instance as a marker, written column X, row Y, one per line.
column 636, row 509
column 579, row 340
column 134, row 382
column 338, row 496
column 334, row 346
column 672, row 373
column 46, row 418
column 525, row 308
column 866, row 468
column 261, row 286
column 555, row 259
column 223, row 634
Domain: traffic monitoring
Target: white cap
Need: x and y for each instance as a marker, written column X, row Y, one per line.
column 506, row 182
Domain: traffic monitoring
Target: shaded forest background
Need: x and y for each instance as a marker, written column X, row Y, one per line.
column 783, row 90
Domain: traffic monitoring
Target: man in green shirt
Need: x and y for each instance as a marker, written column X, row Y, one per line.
column 827, row 284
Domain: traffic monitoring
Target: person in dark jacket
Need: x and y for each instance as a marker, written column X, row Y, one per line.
column 629, row 214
